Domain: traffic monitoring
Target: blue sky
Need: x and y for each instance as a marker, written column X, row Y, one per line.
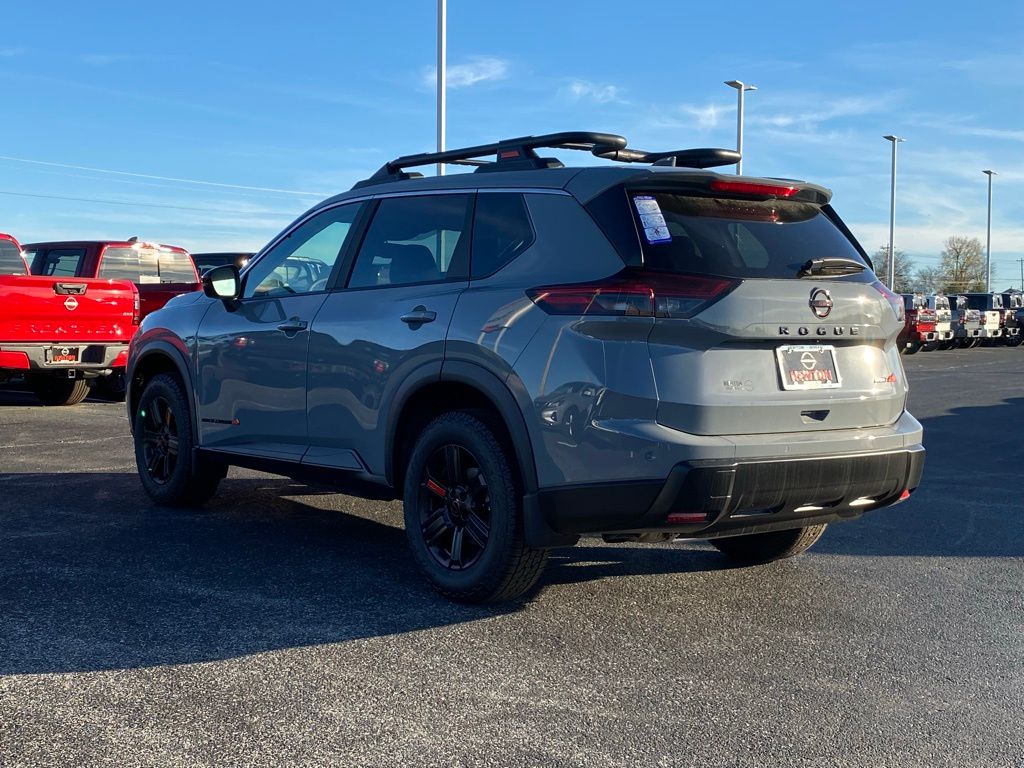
column 310, row 97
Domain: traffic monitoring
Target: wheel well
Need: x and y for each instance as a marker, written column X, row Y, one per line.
column 430, row 402
column 150, row 366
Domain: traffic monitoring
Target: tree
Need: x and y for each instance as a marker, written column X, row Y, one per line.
column 963, row 265
column 929, row 280
column 904, row 268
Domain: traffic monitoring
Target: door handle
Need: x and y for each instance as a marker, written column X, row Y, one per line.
column 419, row 316
column 292, row 325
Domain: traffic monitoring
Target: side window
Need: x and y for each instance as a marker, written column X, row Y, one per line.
column 10, row 259
column 501, row 231
column 58, row 262
column 303, row 260
column 415, row 240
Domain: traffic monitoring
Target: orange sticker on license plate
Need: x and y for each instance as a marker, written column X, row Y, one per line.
column 62, row 355
column 808, row 366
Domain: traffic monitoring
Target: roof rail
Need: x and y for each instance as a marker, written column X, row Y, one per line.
column 520, row 154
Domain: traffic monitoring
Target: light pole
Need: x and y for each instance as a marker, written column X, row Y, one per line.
column 741, row 88
column 442, row 75
column 892, row 215
column 988, row 236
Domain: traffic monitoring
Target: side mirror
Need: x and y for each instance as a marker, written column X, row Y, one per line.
column 222, row 283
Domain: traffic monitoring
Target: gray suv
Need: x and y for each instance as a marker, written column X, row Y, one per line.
column 527, row 354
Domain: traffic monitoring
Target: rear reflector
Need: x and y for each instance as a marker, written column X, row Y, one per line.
column 644, row 294
column 121, row 360
column 686, row 518
column 755, row 190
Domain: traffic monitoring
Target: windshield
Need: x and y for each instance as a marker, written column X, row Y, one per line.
column 737, row 238
column 147, row 265
column 11, row 262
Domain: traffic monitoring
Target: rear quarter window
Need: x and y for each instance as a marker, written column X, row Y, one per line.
column 501, row 231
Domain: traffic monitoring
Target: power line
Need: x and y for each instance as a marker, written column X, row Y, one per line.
column 163, row 178
column 147, row 205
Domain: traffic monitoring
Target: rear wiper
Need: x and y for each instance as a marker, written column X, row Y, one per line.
column 830, row 265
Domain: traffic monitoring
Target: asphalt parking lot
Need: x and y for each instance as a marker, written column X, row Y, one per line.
column 285, row 625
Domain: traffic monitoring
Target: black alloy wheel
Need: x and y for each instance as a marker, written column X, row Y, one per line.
column 160, row 440
column 455, row 508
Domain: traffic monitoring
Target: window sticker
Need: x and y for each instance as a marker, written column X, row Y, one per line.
column 651, row 219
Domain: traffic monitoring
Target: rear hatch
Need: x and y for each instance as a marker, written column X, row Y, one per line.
column 784, row 328
column 35, row 309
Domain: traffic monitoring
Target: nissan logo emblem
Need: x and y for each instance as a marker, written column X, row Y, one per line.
column 821, row 303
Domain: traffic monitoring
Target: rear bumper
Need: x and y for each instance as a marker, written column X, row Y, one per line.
column 92, row 357
column 707, row 499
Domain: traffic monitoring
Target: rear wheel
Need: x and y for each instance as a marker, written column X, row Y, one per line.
column 1014, row 341
column 765, row 547
column 112, row 387
column 463, row 513
column 57, row 389
column 164, row 443
column 912, row 348
column 930, row 346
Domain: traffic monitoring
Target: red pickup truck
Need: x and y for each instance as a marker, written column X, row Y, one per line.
column 160, row 272
column 61, row 333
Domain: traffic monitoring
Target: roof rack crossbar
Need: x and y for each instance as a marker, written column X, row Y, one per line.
column 681, row 158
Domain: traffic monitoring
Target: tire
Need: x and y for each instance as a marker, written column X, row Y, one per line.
column 912, row 348
column 463, row 513
column 1014, row 341
column 974, row 342
column 948, row 344
column 54, row 389
column 765, row 547
column 164, row 443
column 112, row 388
column 930, row 346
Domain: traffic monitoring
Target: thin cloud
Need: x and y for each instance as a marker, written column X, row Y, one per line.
column 479, row 69
column 853, row 106
column 585, row 90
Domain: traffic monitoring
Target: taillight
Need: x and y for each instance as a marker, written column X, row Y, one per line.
column 136, row 307
column 982, row 318
column 756, row 190
column 650, row 294
column 895, row 301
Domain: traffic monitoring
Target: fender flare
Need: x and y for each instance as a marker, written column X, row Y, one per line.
column 172, row 353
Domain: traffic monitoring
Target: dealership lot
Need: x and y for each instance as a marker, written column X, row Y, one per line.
column 286, row 625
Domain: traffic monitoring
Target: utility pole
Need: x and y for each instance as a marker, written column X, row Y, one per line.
column 988, row 236
column 442, row 76
column 741, row 88
column 1021, row 262
column 892, row 214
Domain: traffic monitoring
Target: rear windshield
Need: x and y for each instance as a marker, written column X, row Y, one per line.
column 11, row 262
column 736, row 238
column 941, row 302
column 147, row 265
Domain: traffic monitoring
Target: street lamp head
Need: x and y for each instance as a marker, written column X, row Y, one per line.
column 990, row 173
column 894, row 139
column 739, row 85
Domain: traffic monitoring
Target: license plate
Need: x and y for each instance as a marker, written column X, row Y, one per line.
column 808, row 366
column 62, row 355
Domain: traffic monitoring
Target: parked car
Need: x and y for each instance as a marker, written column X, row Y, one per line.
column 737, row 355
column 943, row 319
column 61, row 334
column 990, row 311
column 1013, row 318
column 206, row 261
column 966, row 322
column 920, row 329
column 160, row 272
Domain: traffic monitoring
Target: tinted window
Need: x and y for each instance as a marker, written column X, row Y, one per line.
column 59, row 262
column 414, row 240
column 501, row 231
column 303, row 260
column 10, row 259
column 146, row 265
column 735, row 238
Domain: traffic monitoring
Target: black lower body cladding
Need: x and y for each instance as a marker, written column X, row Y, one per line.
column 709, row 499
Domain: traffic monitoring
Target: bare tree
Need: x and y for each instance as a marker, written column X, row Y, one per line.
column 904, row 268
column 963, row 265
column 929, row 280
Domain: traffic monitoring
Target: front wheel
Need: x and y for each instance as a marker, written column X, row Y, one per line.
column 765, row 547
column 463, row 513
column 57, row 389
column 164, row 442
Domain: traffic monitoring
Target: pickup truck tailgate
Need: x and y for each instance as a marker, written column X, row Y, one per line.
column 37, row 309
